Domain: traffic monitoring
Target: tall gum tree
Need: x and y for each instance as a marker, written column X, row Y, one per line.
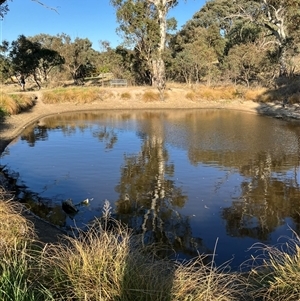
column 159, row 77
column 145, row 23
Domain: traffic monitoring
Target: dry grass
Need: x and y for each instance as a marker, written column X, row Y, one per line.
column 15, row 230
column 277, row 277
column 149, row 96
column 109, row 263
column 91, row 268
column 8, row 104
column 192, row 96
column 295, row 98
column 125, row 95
column 24, row 101
column 213, row 93
column 19, row 265
column 74, row 95
column 196, row 281
column 255, row 94
column 15, row 103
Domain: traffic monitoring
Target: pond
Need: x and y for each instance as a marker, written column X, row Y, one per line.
column 195, row 179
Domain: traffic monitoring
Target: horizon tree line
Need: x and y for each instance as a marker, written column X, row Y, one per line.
column 238, row 41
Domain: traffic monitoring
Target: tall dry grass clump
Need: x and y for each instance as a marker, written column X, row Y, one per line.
column 74, row 95
column 277, row 277
column 257, row 94
column 24, row 101
column 14, row 103
column 195, row 280
column 149, row 96
column 15, row 230
column 213, row 93
column 19, row 273
column 91, row 266
column 109, row 263
column 125, row 95
column 8, row 104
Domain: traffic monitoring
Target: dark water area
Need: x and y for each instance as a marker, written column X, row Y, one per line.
column 195, row 179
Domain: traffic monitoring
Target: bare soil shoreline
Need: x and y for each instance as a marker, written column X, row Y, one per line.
column 13, row 125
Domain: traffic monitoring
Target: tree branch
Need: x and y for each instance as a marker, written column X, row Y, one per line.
column 48, row 7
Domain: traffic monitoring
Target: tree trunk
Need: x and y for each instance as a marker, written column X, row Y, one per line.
column 275, row 21
column 158, row 78
column 158, row 64
column 36, row 81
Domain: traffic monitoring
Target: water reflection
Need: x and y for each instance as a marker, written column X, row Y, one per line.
column 182, row 178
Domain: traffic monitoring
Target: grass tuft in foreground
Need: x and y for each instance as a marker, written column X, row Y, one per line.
column 109, row 263
column 18, row 265
column 277, row 277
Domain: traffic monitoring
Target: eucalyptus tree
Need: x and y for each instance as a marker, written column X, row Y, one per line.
column 49, row 56
column 5, row 64
column 78, row 56
column 162, row 7
column 24, row 56
column 144, row 24
column 196, row 53
column 48, row 59
column 245, row 62
column 3, row 8
column 279, row 20
column 29, row 58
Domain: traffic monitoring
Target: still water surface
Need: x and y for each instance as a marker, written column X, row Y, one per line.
column 190, row 178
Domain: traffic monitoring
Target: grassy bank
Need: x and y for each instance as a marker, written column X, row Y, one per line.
column 110, row 263
column 11, row 104
column 15, row 103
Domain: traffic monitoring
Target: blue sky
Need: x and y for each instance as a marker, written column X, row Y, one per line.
column 93, row 19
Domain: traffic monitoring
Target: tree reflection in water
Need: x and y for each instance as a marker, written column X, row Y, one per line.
column 244, row 168
column 149, row 199
column 266, row 199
